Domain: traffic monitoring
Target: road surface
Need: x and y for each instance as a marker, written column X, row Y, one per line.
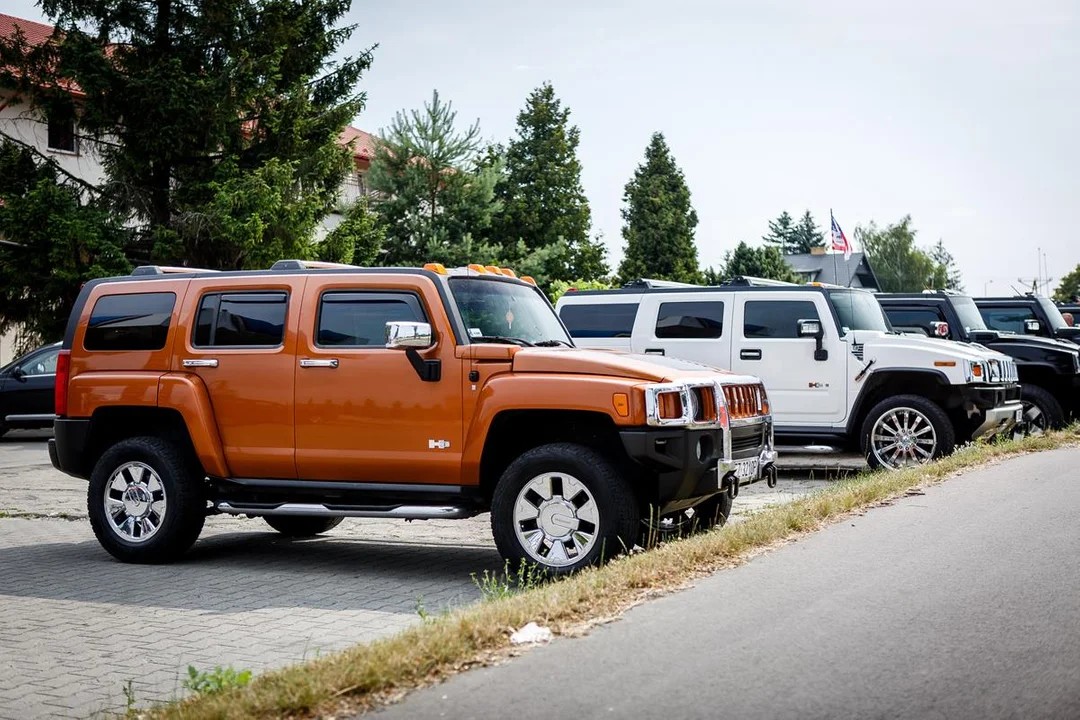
column 960, row 603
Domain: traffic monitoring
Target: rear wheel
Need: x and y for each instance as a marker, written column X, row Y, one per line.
column 300, row 526
column 562, row 507
column 1042, row 412
column 906, row 430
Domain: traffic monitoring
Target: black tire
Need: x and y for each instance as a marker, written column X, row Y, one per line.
column 614, row 507
column 1042, row 411
column 714, row 512
column 184, row 492
column 299, row 526
column 709, row 513
column 944, row 432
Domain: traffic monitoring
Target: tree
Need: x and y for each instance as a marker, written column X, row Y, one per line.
column 57, row 242
column 781, row 233
column 763, row 262
column 540, row 188
column 899, row 264
column 357, row 240
column 435, row 189
column 946, row 274
column 659, row 220
column 217, row 123
column 1069, row 289
column 806, row 235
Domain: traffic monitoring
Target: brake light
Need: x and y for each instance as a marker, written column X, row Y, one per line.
column 60, row 394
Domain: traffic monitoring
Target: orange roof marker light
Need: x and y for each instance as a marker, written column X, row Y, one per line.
column 526, row 278
column 509, row 273
column 475, row 267
column 437, row 268
column 493, row 269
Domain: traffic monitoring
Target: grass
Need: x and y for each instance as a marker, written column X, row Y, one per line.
column 441, row 646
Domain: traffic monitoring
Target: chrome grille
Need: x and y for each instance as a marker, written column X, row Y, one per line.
column 1001, row 371
column 745, row 401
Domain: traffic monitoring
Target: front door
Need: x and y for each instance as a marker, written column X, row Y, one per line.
column 362, row 411
column 28, row 389
column 765, row 342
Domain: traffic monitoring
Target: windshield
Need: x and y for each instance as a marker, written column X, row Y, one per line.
column 858, row 311
column 970, row 317
column 1052, row 314
column 495, row 310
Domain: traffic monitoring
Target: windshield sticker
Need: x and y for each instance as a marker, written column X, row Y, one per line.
column 476, row 332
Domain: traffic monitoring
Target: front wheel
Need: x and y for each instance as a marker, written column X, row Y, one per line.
column 1042, row 412
column 299, row 526
column 906, row 430
column 563, row 507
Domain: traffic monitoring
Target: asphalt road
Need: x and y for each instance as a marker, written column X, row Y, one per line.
column 960, row 603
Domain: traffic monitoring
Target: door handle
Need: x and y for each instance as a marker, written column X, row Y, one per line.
column 208, row 362
column 753, row 354
column 311, row 363
column 654, row 351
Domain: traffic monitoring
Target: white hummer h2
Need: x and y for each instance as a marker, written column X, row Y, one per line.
column 836, row 372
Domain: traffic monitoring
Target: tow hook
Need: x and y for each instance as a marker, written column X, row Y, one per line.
column 770, row 475
column 732, row 483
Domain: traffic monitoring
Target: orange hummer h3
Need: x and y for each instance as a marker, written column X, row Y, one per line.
column 313, row 392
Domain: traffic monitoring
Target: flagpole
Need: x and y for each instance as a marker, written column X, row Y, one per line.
column 832, row 249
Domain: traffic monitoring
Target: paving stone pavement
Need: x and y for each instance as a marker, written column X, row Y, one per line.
column 76, row 626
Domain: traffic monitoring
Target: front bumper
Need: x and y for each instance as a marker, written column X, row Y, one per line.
column 999, row 406
column 689, row 464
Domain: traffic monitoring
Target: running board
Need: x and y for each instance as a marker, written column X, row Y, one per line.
column 399, row 512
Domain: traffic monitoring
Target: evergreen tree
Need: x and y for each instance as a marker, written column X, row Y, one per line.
column 217, row 123
column 659, row 220
column 435, row 188
column 762, row 262
column 946, row 274
column 357, row 240
column 806, row 235
column 1069, row 289
column 900, row 266
column 540, row 189
column 781, row 233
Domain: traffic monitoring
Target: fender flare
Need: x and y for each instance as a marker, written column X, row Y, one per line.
column 187, row 395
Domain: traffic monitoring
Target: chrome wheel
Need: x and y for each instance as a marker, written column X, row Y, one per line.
column 556, row 519
column 135, row 502
column 902, row 437
column 1034, row 421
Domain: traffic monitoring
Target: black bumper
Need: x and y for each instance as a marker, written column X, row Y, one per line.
column 985, row 397
column 66, row 447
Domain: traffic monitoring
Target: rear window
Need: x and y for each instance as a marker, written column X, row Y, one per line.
column 615, row 320
column 690, row 320
column 139, row 321
column 255, row 319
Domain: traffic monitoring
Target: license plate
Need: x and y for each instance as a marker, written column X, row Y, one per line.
column 746, row 469
column 1020, row 415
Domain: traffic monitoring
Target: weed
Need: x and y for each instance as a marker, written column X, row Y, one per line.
column 420, row 609
column 211, row 682
column 499, row 585
column 129, row 702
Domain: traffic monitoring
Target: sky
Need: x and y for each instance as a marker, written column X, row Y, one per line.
column 963, row 114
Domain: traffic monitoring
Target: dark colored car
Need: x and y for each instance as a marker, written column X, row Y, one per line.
column 1027, row 315
column 1072, row 309
column 1049, row 369
column 26, row 390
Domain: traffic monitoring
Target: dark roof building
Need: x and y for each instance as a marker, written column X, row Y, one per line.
column 819, row 266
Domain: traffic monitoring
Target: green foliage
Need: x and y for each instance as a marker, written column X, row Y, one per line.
column 760, row 262
column 659, row 220
column 946, row 274
column 781, row 233
column 435, row 188
column 217, row 124
column 210, row 682
column 899, row 264
column 357, row 240
column 560, row 287
column 542, row 201
column 501, row 585
column 63, row 242
column 806, row 235
column 1069, row 289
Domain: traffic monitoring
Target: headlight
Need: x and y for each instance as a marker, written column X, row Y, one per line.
column 684, row 404
column 975, row 371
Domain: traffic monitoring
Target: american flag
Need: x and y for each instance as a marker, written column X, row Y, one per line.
column 839, row 239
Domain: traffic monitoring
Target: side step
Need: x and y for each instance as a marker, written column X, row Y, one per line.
column 398, row 512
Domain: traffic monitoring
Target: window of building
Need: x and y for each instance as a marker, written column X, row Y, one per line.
column 62, row 136
column 776, row 318
column 138, row 321
column 690, row 320
column 251, row 319
column 358, row 319
column 614, row 320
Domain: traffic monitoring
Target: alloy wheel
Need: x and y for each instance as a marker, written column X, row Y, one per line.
column 903, row 437
column 135, row 502
column 556, row 519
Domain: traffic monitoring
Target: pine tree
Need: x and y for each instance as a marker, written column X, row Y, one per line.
column 806, row 235
column 659, row 220
column 543, row 202
column 217, row 123
column 781, row 233
column 763, row 262
column 946, row 274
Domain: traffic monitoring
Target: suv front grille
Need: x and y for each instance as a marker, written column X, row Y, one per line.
column 748, row 438
column 704, row 403
column 1001, row 371
column 745, row 401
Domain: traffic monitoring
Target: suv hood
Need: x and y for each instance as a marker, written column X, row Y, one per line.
column 931, row 346
column 996, row 337
column 651, row 368
column 1068, row 333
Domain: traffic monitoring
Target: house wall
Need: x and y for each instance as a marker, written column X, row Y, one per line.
column 23, row 124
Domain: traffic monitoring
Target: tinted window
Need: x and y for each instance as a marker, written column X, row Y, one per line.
column 858, row 310
column 43, row 364
column 130, row 322
column 690, row 320
column 359, row 319
column 254, row 319
column 1009, row 319
column 599, row 321
column 776, row 318
column 907, row 319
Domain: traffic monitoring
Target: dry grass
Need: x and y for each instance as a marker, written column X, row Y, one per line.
column 478, row 634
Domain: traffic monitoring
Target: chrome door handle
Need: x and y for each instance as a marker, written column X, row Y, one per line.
column 309, row 363
column 210, row 362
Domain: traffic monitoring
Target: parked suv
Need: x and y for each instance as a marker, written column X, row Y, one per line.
column 314, row 392
column 26, row 390
column 836, row 372
column 1049, row 370
column 1027, row 315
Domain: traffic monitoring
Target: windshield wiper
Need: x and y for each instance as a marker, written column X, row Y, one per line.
column 501, row 339
column 553, row 343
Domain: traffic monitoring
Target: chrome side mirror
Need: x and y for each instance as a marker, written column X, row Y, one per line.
column 408, row 334
column 941, row 329
column 1032, row 327
column 809, row 328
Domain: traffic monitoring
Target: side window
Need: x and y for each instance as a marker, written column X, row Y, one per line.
column 139, row 321
column 43, row 364
column 907, row 319
column 356, row 319
column 614, row 320
column 776, row 318
column 247, row 319
column 1008, row 319
column 690, row 320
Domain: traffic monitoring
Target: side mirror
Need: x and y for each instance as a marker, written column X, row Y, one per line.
column 18, row 374
column 1032, row 327
column 813, row 329
column 401, row 335
column 941, row 329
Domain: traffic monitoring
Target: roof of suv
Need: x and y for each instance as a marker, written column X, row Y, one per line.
column 648, row 289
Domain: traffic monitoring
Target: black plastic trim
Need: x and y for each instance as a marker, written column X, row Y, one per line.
column 68, row 445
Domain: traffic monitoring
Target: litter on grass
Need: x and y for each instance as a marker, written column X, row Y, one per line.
column 531, row 634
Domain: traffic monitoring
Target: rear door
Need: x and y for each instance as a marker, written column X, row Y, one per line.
column 600, row 321
column 690, row 326
column 765, row 342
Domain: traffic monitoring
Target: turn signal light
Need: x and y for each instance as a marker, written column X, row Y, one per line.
column 669, row 405
column 621, row 403
column 437, row 268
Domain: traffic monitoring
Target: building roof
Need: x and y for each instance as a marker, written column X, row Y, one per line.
column 831, row 268
column 363, row 142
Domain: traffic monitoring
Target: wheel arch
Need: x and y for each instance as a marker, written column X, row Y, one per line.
column 932, row 384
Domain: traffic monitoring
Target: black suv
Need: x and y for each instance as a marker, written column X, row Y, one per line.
column 1049, row 369
column 27, row 386
column 1027, row 315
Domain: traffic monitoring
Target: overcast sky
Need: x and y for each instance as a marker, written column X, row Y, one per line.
column 965, row 114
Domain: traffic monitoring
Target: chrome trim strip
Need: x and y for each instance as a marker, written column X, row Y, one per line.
column 29, row 418
column 401, row 512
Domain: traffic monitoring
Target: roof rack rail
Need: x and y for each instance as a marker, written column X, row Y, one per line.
column 308, row 265
column 649, row 283
column 167, row 270
column 758, row 282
